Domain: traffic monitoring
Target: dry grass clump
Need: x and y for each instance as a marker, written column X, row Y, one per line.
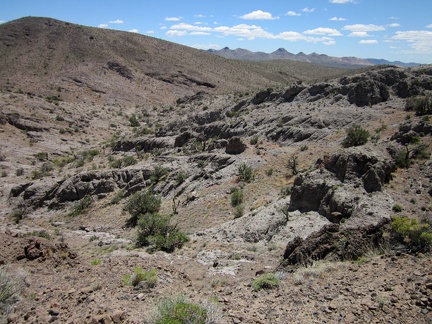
column 318, row 269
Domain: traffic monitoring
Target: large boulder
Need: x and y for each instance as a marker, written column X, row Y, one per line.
column 368, row 92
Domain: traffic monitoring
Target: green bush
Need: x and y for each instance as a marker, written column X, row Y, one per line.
column 245, row 173
column 266, row 281
column 141, row 203
column 180, row 311
column 133, row 120
column 238, row 211
column 129, row 160
column 254, row 140
column 158, row 173
column 422, row 105
column 356, row 136
column 157, row 232
column 397, row 208
column 411, row 232
column 139, row 275
column 236, row 197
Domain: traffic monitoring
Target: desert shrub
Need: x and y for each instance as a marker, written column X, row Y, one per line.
column 41, row 156
column 157, row 173
column 142, row 131
column 245, row 173
column 157, row 232
column 422, row 105
column 179, row 311
column 402, row 159
column 133, row 121
column 304, row 148
column 118, row 196
column 238, row 211
column 236, row 197
column 141, row 203
column 266, row 281
column 19, row 172
column 293, row 163
column 254, row 140
column 139, row 275
column 41, row 233
column 45, row 170
column 129, row 160
column 356, row 136
column 7, row 288
column 397, row 208
column 180, row 178
column 286, row 191
column 411, row 232
column 81, row 205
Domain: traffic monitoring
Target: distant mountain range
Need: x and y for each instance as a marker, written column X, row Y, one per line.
column 322, row 59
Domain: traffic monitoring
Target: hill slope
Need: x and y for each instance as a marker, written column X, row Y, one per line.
column 42, row 55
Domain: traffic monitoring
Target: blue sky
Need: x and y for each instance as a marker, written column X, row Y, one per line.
column 389, row 29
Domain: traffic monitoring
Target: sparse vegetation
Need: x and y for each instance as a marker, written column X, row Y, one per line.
column 238, row 211
column 178, row 310
column 81, row 205
column 8, row 288
column 411, row 232
column 265, row 281
column 293, row 164
column 156, row 232
column 422, row 105
column 245, row 173
column 139, row 275
column 356, row 136
column 158, row 173
column 141, row 203
column 236, row 197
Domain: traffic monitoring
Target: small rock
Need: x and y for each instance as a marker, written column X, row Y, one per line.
column 117, row 316
column 54, row 312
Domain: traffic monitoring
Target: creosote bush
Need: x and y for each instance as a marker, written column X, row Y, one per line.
column 7, row 288
column 236, row 197
column 245, row 173
column 266, row 281
column 157, row 232
column 141, row 203
column 154, row 230
column 356, row 136
column 411, row 232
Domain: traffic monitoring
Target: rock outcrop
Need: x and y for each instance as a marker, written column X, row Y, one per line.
column 336, row 190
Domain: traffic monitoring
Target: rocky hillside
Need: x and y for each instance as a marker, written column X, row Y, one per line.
column 42, row 56
column 288, row 222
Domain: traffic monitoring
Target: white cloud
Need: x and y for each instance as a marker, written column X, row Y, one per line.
column 244, row 30
column 323, row 31
column 103, row 26
column 164, row 27
column 149, row 32
column 394, row 25
column 420, row 41
column 173, row 18
column 173, row 33
column 363, row 28
column 337, row 19
column 329, row 42
column 341, row 1
column 429, row 26
column 133, row 30
column 292, row 14
column 189, row 27
column 368, row 41
column 207, row 46
column 199, row 16
column 117, row 21
column 2, row 21
column 258, row 15
column 197, row 33
column 358, row 34
column 308, row 10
